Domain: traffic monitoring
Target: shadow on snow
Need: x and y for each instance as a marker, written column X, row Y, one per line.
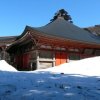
column 48, row 86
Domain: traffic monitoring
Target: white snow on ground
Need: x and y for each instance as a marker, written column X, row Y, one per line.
column 89, row 66
column 4, row 66
column 80, row 82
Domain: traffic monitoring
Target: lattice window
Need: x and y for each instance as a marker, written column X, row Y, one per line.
column 74, row 56
column 45, row 55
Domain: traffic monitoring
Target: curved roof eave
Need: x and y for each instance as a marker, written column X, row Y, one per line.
column 60, row 28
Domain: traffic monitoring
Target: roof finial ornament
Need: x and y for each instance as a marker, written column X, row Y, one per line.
column 62, row 14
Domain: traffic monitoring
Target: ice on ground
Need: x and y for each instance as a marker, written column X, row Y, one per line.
column 4, row 66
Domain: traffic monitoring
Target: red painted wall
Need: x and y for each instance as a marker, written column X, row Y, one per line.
column 58, row 58
column 25, row 60
column 22, row 61
column 61, row 57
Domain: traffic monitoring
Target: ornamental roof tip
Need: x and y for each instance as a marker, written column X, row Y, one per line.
column 62, row 14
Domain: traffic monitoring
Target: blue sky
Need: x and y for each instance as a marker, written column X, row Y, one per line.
column 16, row 14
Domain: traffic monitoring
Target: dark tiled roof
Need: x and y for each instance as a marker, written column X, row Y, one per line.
column 8, row 38
column 63, row 29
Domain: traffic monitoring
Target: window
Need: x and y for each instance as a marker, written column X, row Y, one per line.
column 97, row 52
column 88, row 51
column 73, row 56
column 46, row 55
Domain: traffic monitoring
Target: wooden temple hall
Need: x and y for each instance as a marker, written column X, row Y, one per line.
column 58, row 42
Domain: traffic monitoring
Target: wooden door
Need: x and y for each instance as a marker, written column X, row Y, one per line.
column 61, row 57
column 19, row 61
column 25, row 60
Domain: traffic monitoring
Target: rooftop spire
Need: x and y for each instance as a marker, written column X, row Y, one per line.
column 63, row 14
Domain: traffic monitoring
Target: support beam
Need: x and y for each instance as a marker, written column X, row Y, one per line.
column 4, row 52
column 53, row 59
column 37, row 59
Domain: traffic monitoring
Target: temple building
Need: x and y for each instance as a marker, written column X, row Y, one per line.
column 4, row 44
column 58, row 42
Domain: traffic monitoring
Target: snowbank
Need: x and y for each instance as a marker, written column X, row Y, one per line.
column 88, row 66
column 4, row 66
column 36, row 85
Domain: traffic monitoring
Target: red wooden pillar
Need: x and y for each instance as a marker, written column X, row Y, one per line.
column 57, row 58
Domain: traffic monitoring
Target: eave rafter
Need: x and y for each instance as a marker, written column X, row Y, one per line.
column 33, row 38
column 55, row 41
column 39, row 38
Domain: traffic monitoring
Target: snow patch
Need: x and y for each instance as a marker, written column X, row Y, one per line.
column 88, row 66
column 4, row 66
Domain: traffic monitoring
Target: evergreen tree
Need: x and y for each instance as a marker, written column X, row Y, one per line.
column 64, row 14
